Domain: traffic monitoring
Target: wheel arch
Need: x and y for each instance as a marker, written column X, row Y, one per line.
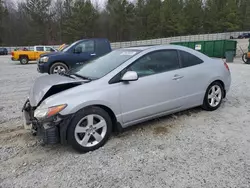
column 111, row 114
column 222, row 83
column 23, row 55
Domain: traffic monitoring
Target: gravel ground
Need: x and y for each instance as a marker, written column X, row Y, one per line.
column 189, row 149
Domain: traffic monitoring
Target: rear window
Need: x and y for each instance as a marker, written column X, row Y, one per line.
column 188, row 59
column 103, row 47
column 39, row 49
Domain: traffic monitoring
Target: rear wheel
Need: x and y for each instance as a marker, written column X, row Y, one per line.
column 90, row 129
column 58, row 68
column 24, row 60
column 213, row 97
column 244, row 58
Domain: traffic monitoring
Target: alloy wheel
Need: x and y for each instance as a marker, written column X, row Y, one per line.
column 214, row 96
column 59, row 69
column 90, row 130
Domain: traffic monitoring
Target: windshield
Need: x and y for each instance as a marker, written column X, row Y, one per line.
column 101, row 66
column 68, row 47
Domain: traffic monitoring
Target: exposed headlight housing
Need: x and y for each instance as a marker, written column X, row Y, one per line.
column 44, row 59
column 43, row 113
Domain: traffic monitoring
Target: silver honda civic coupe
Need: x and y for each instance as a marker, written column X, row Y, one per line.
column 125, row 87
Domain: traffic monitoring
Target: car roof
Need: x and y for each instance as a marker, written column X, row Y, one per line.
column 165, row 46
column 139, row 48
column 168, row 47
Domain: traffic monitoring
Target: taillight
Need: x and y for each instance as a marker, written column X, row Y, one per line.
column 226, row 65
column 12, row 53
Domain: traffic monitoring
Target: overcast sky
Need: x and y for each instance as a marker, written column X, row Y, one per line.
column 101, row 2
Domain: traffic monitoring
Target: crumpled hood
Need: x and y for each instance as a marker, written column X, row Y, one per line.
column 48, row 85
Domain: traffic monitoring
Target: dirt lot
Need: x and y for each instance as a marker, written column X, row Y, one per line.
column 190, row 149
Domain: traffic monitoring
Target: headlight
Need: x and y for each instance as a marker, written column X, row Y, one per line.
column 44, row 59
column 41, row 113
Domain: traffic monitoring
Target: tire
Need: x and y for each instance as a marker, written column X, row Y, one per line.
column 57, row 68
column 80, row 129
column 24, row 60
column 244, row 57
column 215, row 93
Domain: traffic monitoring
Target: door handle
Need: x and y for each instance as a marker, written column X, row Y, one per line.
column 93, row 54
column 177, row 77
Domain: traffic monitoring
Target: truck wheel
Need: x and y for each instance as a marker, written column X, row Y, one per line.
column 244, row 58
column 57, row 68
column 24, row 60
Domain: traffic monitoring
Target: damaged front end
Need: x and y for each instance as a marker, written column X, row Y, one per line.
column 51, row 130
column 46, row 122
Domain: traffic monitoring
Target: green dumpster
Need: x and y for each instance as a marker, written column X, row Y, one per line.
column 214, row 48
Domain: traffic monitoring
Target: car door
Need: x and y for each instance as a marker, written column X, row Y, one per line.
column 83, row 52
column 194, row 79
column 156, row 90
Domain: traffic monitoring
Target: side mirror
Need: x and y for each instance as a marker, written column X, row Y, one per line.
column 78, row 50
column 130, row 76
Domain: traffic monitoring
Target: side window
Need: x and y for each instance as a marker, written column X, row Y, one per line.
column 39, row 49
column 102, row 47
column 49, row 49
column 156, row 62
column 86, row 46
column 189, row 60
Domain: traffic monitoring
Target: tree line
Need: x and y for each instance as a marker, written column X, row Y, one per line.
column 31, row 22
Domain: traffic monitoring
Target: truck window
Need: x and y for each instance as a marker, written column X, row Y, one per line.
column 86, row 46
column 39, row 49
column 102, row 47
column 49, row 49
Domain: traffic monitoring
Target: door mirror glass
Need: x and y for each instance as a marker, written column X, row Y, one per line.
column 78, row 50
column 130, row 76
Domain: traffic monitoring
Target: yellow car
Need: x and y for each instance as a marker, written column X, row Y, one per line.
column 25, row 56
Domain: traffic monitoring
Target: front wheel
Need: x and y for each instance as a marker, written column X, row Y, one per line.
column 90, row 129
column 213, row 97
column 58, row 68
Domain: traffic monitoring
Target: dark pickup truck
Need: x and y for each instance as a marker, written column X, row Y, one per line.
column 73, row 55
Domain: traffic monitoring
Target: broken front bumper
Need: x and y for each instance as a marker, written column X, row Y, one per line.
column 52, row 130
